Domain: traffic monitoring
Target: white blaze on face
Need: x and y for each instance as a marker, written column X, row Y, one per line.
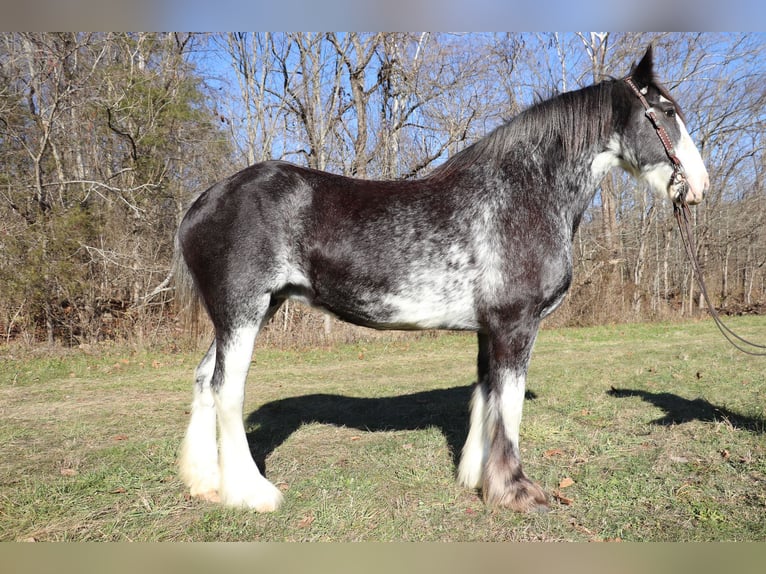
column 691, row 160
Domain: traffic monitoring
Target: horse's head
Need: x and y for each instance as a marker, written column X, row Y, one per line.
column 656, row 144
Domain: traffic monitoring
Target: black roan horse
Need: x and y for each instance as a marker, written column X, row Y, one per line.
column 483, row 243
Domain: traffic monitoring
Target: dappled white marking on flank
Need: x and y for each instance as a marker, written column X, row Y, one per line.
column 438, row 295
column 476, row 450
column 241, row 482
column 198, row 458
column 455, row 311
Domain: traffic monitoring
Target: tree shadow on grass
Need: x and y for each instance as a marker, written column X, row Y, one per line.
column 446, row 409
column 680, row 410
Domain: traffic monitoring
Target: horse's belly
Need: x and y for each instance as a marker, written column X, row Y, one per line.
column 432, row 309
column 428, row 301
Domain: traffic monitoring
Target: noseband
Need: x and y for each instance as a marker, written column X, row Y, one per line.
column 678, row 180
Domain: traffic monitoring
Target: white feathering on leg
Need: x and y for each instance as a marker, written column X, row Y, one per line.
column 476, row 449
column 241, row 482
column 198, row 458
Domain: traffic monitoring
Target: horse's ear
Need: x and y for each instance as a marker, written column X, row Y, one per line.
column 643, row 72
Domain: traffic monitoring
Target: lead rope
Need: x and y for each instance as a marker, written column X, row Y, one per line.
column 683, row 218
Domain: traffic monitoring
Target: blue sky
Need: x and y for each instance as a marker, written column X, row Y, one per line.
column 384, row 15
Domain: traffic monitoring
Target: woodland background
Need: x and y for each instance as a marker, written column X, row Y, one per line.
column 106, row 137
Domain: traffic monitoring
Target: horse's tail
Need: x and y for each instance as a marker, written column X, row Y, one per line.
column 188, row 301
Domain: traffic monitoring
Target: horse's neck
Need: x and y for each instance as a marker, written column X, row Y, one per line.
column 576, row 182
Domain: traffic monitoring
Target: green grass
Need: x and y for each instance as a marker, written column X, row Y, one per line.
column 660, row 428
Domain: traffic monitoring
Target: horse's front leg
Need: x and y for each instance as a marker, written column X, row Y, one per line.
column 504, row 482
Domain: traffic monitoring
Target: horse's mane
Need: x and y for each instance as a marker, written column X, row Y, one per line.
column 565, row 125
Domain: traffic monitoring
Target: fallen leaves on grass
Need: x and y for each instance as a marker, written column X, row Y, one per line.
column 68, row 472
column 553, row 452
column 563, row 499
column 283, row 486
column 566, row 482
column 580, row 528
column 306, row 521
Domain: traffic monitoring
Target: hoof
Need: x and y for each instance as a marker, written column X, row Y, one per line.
column 259, row 495
column 521, row 495
column 203, row 484
column 209, row 496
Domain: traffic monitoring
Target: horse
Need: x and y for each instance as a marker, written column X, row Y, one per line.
column 483, row 243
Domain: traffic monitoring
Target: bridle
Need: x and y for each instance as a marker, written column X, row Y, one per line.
column 680, row 185
column 678, row 178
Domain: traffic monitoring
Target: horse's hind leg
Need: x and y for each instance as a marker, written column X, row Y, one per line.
column 225, row 470
column 241, row 482
column 504, row 482
column 198, row 461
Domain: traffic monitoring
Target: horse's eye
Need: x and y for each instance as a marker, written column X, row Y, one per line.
column 670, row 112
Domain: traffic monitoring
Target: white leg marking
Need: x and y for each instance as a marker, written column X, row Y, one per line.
column 198, row 460
column 511, row 405
column 241, row 482
column 471, row 469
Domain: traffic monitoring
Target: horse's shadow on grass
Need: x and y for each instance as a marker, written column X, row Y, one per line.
column 446, row 409
column 680, row 410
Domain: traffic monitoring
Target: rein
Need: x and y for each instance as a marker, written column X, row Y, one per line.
column 683, row 219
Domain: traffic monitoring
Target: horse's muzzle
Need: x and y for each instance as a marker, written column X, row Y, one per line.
column 693, row 192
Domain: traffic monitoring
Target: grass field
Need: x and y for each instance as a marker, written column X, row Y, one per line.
column 638, row 432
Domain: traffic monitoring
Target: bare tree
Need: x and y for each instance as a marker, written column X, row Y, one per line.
column 104, row 137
